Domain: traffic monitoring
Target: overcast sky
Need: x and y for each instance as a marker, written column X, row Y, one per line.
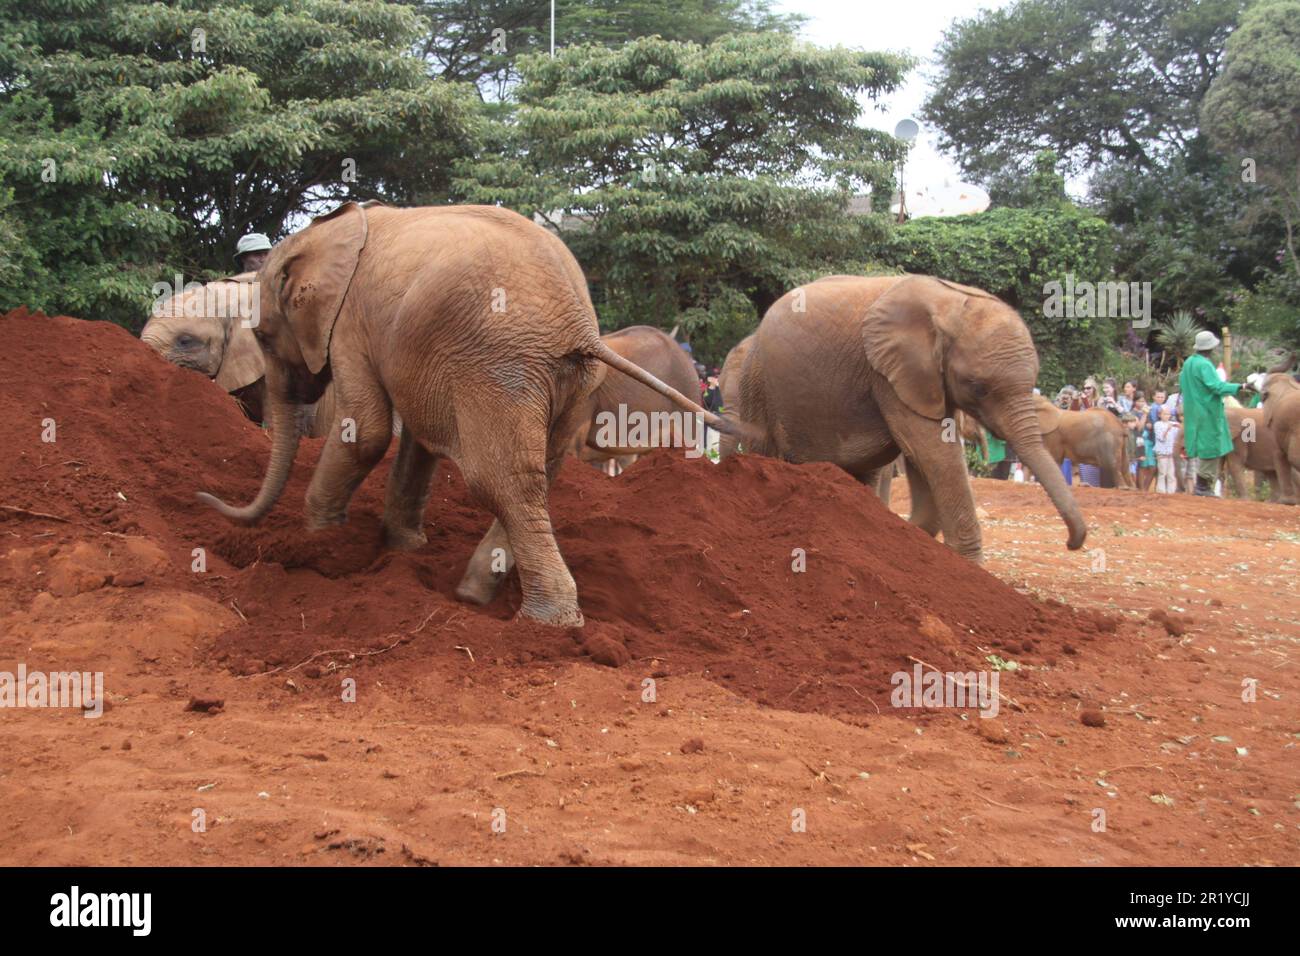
column 911, row 26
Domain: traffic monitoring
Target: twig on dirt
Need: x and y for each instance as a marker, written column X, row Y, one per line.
column 509, row 774
column 235, row 605
column 14, row 509
column 1140, row 766
column 453, row 619
column 462, row 647
column 1004, row 806
column 840, row 683
column 1015, row 704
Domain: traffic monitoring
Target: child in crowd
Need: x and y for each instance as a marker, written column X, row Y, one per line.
column 1166, row 434
column 1146, row 466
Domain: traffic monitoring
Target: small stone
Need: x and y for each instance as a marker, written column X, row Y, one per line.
column 1092, row 718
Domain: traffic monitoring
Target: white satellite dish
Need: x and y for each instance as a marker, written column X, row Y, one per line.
column 907, row 130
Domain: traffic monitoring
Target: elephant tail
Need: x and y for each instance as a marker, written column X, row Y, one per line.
column 724, row 424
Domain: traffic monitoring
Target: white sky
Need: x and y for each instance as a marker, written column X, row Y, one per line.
column 911, row 26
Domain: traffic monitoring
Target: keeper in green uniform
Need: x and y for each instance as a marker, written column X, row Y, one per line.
column 1205, row 425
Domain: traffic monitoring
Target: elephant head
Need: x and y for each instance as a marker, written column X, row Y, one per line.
column 204, row 328
column 945, row 346
column 304, row 283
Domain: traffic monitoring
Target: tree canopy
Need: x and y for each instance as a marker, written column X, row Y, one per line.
column 700, row 180
column 136, row 138
column 1098, row 81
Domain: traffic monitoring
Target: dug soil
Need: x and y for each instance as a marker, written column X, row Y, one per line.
column 278, row 696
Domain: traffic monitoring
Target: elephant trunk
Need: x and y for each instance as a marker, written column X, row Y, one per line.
column 1020, row 426
column 284, row 446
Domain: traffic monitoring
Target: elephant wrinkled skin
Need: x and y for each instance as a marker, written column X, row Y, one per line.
column 475, row 326
column 855, row 370
column 1258, row 453
column 205, row 329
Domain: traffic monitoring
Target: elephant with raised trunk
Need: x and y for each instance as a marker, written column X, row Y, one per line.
column 856, row 370
column 475, row 326
column 619, row 395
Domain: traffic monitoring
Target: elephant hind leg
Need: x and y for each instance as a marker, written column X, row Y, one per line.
column 408, row 494
column 507, row 470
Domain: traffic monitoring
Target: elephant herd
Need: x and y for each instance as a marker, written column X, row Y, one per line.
column 469, row 332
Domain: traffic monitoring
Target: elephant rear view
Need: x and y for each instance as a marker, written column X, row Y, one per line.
column 471, row 323
column 854, row 370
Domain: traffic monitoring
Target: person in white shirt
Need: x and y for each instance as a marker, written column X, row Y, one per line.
column 1166, row 433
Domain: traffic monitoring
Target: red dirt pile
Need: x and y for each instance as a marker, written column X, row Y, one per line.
column 682, row 566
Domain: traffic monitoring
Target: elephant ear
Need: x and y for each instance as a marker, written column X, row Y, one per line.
column 316, row 275
column 904, row 333
column 242, row 363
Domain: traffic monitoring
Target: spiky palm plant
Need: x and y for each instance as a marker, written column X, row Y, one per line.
column 1177, row 334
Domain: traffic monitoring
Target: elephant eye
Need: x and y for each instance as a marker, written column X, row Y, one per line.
column 978, row 389
column 187, row 342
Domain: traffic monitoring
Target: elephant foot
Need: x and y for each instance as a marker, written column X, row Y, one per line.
column 478, row 589
column 404, row 539
column 552, row 615
column 320, row 523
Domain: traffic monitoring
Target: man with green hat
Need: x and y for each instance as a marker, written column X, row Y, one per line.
column 1205, row 425
column 252, row 251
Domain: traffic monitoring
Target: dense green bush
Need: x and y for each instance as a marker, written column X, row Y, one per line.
column 1014, row 254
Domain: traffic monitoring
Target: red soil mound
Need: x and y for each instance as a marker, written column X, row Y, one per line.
column 682, row 566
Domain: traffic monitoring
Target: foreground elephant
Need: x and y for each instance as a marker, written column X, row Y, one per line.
column 855, row 370
column 1092, row 437
column 1281, row 394
column 663, row 358
column 1258, row 453
column 471, row 322
column 203, row 328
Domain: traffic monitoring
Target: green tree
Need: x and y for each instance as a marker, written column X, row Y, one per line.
column 1098, row 81
column 696, row 183
column 481, row 41
column 1015, row 253
column 142, row 138
column 1184, row 228
column 1250, row 112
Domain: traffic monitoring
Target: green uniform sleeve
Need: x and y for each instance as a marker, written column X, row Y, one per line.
column 1206, row 376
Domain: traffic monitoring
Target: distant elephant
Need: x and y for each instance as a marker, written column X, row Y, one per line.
column 1259, row 453
column 663, row 358
column 203, row 328
column 1091, row 437
column 1281, row 394
column 475, row 325
column 729, row 386
column 854, row 370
